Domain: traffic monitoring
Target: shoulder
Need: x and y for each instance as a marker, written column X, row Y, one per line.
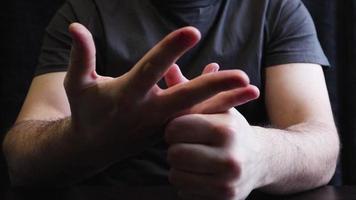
column 283, row 4
column 288, row 16
column 269, row 11
column 283, row 8
column 82, row 9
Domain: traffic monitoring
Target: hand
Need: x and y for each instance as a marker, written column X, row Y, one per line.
column 123, row 114
column 214, row 156
column 221, row 102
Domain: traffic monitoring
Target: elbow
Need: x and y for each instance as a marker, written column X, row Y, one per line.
column 321, row 168
column 28, row 178
column 17, row 180
column 330, row 169
column 331, row 159
column 8, row 148
column 327, row 154
column 16, row 164
column 16, row 172
column 12, row 157
column 21, row 169
column 328, row 175
column 24, row 174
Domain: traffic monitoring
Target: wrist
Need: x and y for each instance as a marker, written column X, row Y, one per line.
column 98, row 144
column 88, row 146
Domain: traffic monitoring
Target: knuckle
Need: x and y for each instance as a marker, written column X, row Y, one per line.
column 146, row 70
column 225, row 133
column 241, row 74
column 232, row 165
column 227, row 191
column 232, row 99
column 185, row 90
column 173, row 154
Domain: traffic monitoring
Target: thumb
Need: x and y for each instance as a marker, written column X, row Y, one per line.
column 81, row 72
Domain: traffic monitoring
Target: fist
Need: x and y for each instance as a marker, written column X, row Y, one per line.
column 213, row 156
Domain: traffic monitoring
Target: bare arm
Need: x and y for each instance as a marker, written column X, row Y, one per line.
column 45, row 152
column 42, row 147
column 221, row 156
column 304, row 148
column 65, row 134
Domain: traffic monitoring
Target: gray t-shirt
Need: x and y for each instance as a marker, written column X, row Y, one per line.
column 238, row 34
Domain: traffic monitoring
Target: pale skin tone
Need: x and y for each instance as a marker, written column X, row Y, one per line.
column 214, row 152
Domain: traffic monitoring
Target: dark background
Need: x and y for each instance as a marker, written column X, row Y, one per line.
column 23, row 23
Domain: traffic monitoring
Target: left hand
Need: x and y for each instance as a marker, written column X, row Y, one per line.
column 215, row 156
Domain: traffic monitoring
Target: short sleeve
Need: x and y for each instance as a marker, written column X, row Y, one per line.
column 57, row 42
column 291, row 35
column 56, row 45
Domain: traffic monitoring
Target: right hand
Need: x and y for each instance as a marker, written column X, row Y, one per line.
column 124, row 113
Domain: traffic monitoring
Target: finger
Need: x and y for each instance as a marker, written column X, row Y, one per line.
column 81, row 72
column 183, row 96
column 198, row 186
column 193, row 129
column 224, row 101
column 202, row 159
column 151, row 68
column 213, row 67
column 174, row 76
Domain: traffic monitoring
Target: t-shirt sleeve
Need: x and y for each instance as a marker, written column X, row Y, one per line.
column 291, row 35
column 56, row 45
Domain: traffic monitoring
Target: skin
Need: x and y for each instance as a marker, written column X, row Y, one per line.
column 72, row 124
column 221, row 156
column 214, row 152
column 302, row 120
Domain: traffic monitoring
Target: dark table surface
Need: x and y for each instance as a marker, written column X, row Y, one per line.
column 160, row 193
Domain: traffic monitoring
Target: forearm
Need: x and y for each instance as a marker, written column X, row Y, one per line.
column 49, row 152
column 300, row 157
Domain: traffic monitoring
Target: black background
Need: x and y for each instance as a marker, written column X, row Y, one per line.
column 23, row 23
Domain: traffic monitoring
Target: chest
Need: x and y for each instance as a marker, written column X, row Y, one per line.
column 232, row 35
